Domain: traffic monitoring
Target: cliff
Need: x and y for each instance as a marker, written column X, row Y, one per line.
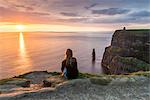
column 43, row 85
column 128, row 52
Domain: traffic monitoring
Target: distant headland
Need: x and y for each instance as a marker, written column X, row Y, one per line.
column 128, row 52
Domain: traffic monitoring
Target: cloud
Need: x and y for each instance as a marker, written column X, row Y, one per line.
column 25, row 7
column 109, row 20
column 77, row 11
column 6, row 11
column 140, row 14
column 77, row 20
column 91, row 6
column 69, row 14
column 22, row 16
column 110, row 11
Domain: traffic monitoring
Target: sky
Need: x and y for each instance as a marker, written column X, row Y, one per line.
column 74, row 15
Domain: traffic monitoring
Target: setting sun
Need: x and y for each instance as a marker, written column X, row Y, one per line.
column 20, row 27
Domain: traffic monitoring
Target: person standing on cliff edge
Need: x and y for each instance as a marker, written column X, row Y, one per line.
column 93, row 55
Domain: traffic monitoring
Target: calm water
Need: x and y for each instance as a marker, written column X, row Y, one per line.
column 23, row 52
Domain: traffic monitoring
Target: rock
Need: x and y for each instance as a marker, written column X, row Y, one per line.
column 100, row 81
column 53, row 81
column 19, row 82
column 128, row 79
column 78, row 85
column 122, row 80
column 128, row 52
column 89, row 87
column 24, row 84
column 47, row 83
column 36, row 74
column 36, row 77
column 7, row 88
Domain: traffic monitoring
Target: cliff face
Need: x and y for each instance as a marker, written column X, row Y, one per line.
column 128, row 52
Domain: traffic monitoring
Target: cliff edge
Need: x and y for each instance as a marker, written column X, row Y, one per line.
column 43, row 85
column 128, row 52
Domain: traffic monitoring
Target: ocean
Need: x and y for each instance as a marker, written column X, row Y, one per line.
column 33, row 51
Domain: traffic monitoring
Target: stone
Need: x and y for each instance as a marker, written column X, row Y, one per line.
column 53, row 81
column 19, row 82
column 24, row 84
column 47, row 83
column 100, row 81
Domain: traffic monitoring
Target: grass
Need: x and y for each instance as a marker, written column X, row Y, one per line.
column 135, row 32
column 87, row 75
column 117, row 50
column 143, row 30
column 4, row 81
column 146, row 73
column 137, row 64
column 103, row 79
column 140, row 73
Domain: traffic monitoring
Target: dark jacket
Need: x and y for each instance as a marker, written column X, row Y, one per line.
column 72, row 70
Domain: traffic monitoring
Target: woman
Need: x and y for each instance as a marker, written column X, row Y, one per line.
column 69, row 66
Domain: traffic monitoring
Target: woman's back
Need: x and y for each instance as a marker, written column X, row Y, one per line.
column 70, row 63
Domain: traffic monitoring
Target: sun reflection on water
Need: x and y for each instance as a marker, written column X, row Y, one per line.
column 24, row 61
column 22, row 45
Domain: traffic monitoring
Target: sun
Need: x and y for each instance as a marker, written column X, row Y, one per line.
column 20, row 27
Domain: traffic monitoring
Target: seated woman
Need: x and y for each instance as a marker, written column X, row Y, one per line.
column 69, row 66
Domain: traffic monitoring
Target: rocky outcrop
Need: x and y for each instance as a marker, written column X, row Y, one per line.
column 30, row 82
column 16, row 81
column 128, row 52
column 86, row 87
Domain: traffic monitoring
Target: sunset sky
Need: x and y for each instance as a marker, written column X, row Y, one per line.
column 73, row 15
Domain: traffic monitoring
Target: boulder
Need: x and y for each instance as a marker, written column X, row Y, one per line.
column 100, row 80
column 53, row 81
column 36, row 77
column 47, row 83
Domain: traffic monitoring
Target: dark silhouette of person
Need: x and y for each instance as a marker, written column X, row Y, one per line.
column 93, row 55
column 69, row 66
column 124, row 28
